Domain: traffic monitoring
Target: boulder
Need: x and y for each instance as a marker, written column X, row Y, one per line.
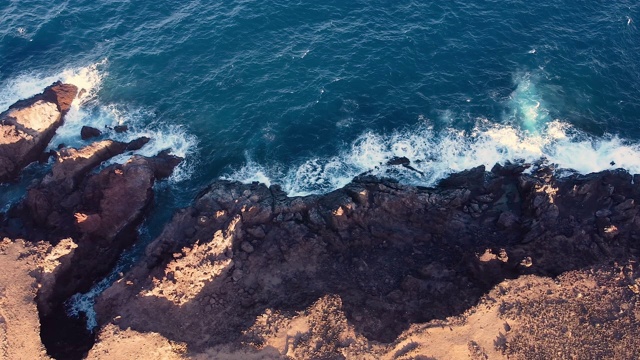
column 88, row 132
column 398, row 161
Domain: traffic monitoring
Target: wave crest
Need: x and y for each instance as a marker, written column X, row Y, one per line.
column 88, row 110
column 436, row 155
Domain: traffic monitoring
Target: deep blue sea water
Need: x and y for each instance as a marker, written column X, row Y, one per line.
column 308, row 94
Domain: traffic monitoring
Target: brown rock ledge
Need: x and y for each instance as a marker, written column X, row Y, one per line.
column 27, row 127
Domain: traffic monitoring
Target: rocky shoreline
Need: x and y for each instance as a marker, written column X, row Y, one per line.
column 514, row 262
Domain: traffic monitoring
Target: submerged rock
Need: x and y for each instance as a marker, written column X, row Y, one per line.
column 27, row 127
column 398, row 161
column 404, row 162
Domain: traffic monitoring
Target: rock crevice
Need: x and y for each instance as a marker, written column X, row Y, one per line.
column 91, row 212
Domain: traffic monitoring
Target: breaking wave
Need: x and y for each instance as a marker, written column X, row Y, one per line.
column 436, row 155
column 88, row 110
column 526, row 134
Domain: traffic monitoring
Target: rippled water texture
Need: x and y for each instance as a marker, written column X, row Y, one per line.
column 309, row 94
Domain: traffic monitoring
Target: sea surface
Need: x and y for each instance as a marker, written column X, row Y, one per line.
column 308, row 94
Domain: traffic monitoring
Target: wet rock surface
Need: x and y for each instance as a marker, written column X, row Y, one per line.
column 395, row 255
column 88, row 132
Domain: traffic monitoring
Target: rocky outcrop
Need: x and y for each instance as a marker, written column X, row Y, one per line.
column 98, row 211
column 57, row 193
column 487, row 264
column 121, row 128
column 87, row 217
column 102, row 217
column 395, row 255
column 27, row 127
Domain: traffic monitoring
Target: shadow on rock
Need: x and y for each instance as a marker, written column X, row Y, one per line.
column 394, row 254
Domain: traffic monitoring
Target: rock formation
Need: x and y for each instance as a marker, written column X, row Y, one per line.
column 386, row 255
column 27, row 127
column 88, row 132
column 57, row 193
column 504, row 263
column 92, row 215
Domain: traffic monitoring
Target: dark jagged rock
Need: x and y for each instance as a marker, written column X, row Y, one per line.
column 121, row 128
column 89, row 218
column 394, row 254
column 404, row 162
column 101, row 215
column 27, row 127
column 57, row 192
column 164, row 163
column 398, row 161
column 69, row 201
column 88, row 132
column 72, row 165
column 97, row 212
column 112, row 204
column 137, row 143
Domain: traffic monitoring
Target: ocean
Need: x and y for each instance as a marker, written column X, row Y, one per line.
column 309, row 94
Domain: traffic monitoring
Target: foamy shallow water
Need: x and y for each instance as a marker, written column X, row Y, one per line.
column 439, row 155
column 524, row 133
column 87, row 110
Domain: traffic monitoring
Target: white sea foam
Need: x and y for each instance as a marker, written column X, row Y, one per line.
column 251, row 172
column 526, row 106
column 437, row 155
column 163, row 137
column 25, row 85
column 87, row 110
column 83, row 303
column 88, row 79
